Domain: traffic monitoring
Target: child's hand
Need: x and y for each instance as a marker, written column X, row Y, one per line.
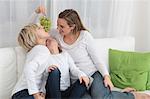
column 128, row 89
column 84, row 79
column 41, row 9
column 42, row 94
column 38, row 96
column 51, row 68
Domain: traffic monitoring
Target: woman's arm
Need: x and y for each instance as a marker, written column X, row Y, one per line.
column 33, row 18
column 93, row 53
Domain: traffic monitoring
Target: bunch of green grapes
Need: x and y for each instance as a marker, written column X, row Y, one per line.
column 46, row 23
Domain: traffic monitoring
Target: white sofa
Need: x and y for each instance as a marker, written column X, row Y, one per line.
column 12, row 60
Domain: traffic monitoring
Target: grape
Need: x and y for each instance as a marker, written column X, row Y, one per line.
column 46, row 23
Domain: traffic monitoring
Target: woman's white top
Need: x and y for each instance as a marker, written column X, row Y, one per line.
column 83, row 51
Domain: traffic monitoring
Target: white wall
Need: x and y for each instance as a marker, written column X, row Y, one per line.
column 141, row 24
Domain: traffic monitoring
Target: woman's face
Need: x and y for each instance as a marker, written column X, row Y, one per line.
column 41, row 33
column 63, row 27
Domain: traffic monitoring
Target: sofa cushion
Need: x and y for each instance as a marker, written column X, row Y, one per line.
column 21, row 55
column 129, row 69
column 120, row 43
column 7, row 72
column 148, row 82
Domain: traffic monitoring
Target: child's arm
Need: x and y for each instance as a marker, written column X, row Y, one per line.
column 40, row 9
column 33, row 65
column 44, row 79
column 35, row 15
column 33, row 18
column 30, row 73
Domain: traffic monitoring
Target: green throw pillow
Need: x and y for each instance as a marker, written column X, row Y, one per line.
column 130, row 69
column 148, row 82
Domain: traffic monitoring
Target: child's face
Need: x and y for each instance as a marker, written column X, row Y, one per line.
column 41, row 33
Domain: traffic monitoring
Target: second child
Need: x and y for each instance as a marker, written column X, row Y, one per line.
column 66, row 67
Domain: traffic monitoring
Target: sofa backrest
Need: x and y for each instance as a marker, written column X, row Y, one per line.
column 20, row 57
column 12, row 60
column 122, row 43
column 7, row 71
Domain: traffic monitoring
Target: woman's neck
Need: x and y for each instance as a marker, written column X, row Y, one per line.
column 71, row 38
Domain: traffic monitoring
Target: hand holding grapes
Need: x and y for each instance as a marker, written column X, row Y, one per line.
column 44, row 21
column 41, row 9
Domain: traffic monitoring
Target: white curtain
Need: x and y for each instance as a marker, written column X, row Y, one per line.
column 103, row 18
column 110, row 18
column 14, row 14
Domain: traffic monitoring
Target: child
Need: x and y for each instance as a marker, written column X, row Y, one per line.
column 32, row 38
column 66, row 64
column 31, row 84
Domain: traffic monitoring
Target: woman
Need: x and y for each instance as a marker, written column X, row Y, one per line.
column 78, row 42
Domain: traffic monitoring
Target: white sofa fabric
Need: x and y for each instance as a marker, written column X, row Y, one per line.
column 12, row 60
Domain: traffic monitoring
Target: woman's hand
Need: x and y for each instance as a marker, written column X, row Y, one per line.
column 128, row 89
column 107, row 82
column 84, row 79
column 40, row 9
column 51, row 68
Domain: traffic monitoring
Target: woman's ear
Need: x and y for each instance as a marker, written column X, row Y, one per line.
column 73, row 26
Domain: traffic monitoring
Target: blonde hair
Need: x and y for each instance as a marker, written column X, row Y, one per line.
column 72, row 18
column 27, row 37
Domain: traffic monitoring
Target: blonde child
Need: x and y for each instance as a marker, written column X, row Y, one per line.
column 32, row 38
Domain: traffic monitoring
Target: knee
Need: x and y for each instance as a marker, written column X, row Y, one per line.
column 98, row 75
column 55, row 73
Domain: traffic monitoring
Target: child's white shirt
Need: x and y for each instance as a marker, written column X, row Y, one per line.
column 35, row 66
column 67, row 67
